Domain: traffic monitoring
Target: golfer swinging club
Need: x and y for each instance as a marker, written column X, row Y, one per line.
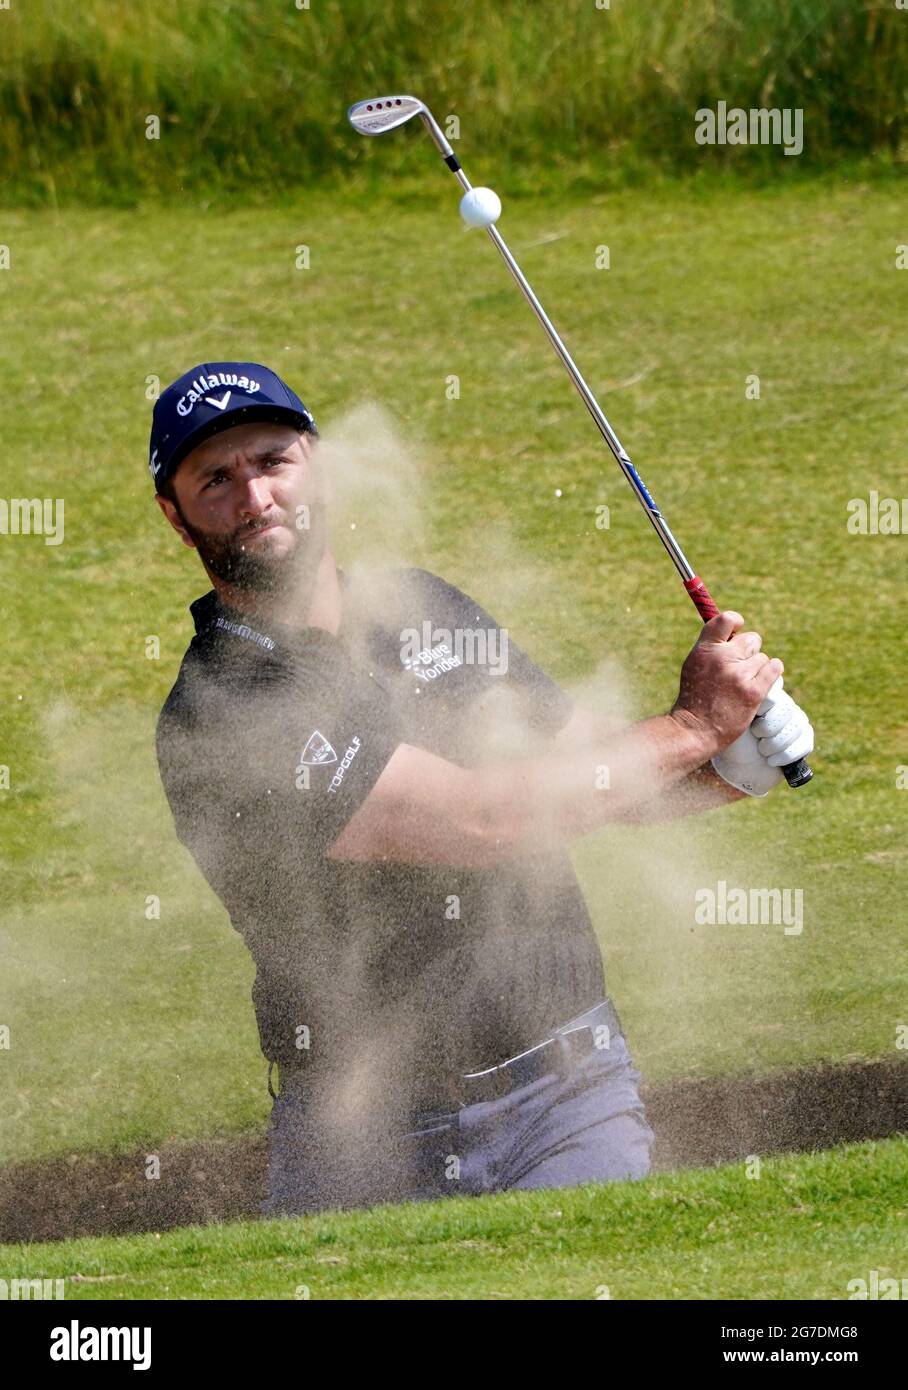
column 428, row 985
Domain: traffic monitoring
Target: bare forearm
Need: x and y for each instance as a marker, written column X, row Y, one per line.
column 526, row 807
column 702, row 791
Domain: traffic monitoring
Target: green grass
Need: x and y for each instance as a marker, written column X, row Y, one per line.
column 253, row 97
column 801, row 1230
column 126, row 1030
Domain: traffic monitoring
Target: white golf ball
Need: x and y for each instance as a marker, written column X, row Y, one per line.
column 480, row 207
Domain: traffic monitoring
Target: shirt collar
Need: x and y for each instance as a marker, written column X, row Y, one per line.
column 204, row 610
column 213, row 618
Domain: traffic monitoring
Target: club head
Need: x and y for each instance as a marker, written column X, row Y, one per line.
column 378, row 114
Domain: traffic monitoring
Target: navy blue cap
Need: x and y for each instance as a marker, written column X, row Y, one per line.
column 213, row 397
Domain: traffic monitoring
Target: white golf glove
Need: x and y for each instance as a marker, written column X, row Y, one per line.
column 780, row 734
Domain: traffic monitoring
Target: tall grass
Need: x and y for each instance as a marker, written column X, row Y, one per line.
column 251, row 94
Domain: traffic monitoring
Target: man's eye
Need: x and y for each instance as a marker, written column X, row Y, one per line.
column 215, row 478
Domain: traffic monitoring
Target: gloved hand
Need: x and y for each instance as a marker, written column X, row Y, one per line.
column 782, row 728
column 780, row 734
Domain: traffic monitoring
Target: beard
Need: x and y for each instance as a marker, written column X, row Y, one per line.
column 252, row 569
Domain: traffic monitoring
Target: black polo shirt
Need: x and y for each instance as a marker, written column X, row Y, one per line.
column 400, row 974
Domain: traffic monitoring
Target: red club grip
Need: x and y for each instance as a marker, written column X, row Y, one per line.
column 701, row 597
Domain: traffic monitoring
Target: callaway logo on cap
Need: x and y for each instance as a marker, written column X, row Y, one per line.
column 214, row 397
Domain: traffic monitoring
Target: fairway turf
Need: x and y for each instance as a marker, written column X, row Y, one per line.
column 801, row 1230
column 134, row 1030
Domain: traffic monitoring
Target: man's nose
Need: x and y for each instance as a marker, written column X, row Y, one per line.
column 255, row 496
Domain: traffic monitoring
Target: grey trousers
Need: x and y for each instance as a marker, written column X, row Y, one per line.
column 580, row 1125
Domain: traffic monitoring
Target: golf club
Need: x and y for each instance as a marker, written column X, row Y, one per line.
column 377, row 115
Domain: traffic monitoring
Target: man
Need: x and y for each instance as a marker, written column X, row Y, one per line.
column 387, row 822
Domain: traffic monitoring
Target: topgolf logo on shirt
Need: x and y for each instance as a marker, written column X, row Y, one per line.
column 202, row 384
column 317, row 751
column 345, row 762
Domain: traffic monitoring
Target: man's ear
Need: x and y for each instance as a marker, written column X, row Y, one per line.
column 173, row 516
